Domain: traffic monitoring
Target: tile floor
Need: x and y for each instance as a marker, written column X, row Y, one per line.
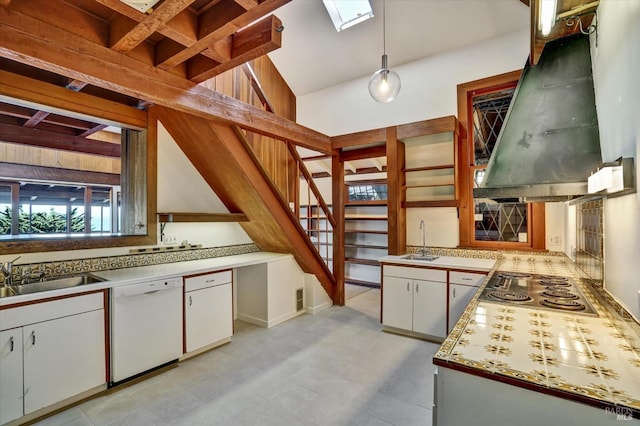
column 332, row 368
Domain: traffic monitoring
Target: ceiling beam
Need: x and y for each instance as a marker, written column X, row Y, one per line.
column 376, row 163
column 75, row 57
column 91, row 131
column 219, row 22
column 75, row 85
column 253, row 42
column 35, row 119
column 31, row 172
column 44, row 116
column 128, row 41
column 51, row 140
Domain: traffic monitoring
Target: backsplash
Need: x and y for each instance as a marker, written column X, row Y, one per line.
column 480, row 253
column 51, row 270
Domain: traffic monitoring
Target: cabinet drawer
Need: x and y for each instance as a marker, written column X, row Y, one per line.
column 45, row 311
column 466, row 278
column 197, row 282
column 416, row 273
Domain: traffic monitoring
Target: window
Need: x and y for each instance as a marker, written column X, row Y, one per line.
column 56, row 209
column 484, row 222
column 347, row 13
column 366, row 191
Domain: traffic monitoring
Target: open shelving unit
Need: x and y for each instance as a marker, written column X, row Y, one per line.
column 319, row 230
column 366, row 236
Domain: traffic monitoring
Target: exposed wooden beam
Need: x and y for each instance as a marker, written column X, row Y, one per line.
column 128, row 41
column 53, row 119
column 364, row 153
column 349, row 166
column 76, row 85
column 247, row 4
column 31, row 172
column 428, row 127
column 39, row 95
column 220, row 21
column 202, row 217
column 91, row 131
column 35, row 119
column 45, row 139
column 67, row 54
column 250, row 43
column 369, row 137
column 376, row 163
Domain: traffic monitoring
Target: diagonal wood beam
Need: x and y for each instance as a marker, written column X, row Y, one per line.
column 219, row 22
column 75, row 57
column 44, row 139
column 160, row 16
column 253, row 42
column 92, row 130
column 35, row 119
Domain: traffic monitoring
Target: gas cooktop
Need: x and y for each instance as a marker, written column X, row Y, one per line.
column 537, row 291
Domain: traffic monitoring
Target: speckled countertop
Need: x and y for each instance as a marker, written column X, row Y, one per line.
column 591, row 359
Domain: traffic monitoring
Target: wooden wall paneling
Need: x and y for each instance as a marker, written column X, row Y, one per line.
column 396, row 214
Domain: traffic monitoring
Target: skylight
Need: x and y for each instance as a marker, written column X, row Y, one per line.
column 347, row 13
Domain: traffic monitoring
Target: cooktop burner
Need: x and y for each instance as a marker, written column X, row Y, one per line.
column 570, row 305
column 537, row 291
column 559, row 294
column 510, row 296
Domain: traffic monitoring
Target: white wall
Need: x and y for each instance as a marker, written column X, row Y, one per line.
column 428, row 88
column 616, row 61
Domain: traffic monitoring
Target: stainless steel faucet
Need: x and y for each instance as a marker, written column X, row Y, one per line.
column 424, row 231
column 7, row 270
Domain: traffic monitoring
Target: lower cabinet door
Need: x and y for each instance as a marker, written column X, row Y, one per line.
column 209, row 316
column 62, row 358
column 459, row 297
column 397, row 301
column 11, row 402
column 430, row 308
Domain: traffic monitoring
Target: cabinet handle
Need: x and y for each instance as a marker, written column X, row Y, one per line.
column 454, row 292
column 33, row 338
column 407, row 285
column 11, row 344
column 466, row 279
column 417, row 287
column 190, row 301
column 212, row 280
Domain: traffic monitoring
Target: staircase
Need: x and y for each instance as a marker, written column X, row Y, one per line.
column 221, row 154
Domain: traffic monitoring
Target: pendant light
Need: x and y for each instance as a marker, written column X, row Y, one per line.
column 384, row 84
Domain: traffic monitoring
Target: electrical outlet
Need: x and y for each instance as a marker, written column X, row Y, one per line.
column 170, row 239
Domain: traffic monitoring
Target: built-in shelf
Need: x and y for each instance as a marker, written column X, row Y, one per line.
column 361, row 282
column 202, row 217
column 428, row 168
column 362, row 261
column 433, row 203
column 364, row 231
column 365, row 217
column 366, row 246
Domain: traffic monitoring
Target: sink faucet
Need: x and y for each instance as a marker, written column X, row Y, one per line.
column 424, row 230
column 7, row 270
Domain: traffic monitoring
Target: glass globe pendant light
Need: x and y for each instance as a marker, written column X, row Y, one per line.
column 384, row 84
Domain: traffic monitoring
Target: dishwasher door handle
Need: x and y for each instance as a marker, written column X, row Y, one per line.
column 151, row 292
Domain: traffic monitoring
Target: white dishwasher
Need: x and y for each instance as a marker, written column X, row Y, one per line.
column 146, row 327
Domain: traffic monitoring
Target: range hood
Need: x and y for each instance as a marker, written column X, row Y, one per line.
column 549, row 143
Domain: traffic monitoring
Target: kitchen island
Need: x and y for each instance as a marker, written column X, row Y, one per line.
column 509, row 364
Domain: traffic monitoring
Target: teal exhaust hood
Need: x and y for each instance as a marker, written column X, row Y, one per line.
column 549, row 143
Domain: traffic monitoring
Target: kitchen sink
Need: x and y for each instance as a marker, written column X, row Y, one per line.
column 423, row 258
column 72, row 281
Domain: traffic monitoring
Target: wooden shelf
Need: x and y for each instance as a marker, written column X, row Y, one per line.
column 429, row 168
column 365, row 203
column 365, row 217
column 369, row 262
column 366, row 246
column 348, row 280
column 432, row 203
column 363, row 231
column 202, row 217
column 405, row 187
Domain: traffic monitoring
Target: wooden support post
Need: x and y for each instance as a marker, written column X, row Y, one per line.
column 338, row 196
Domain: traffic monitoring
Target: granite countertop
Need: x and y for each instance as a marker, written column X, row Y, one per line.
column 586, row 358
column 125, row 276
column 448, row 262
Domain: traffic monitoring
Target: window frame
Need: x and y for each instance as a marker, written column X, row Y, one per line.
column 535, row 211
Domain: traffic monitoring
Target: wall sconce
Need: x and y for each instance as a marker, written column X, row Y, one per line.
column 613, row 179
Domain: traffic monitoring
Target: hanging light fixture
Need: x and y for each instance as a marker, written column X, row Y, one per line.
column 384, row 84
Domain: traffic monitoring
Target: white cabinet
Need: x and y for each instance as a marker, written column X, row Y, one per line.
column 10, row 375
column 462, row 287
column 62, row 357
column 208, row 307
column 49, row 352
column 413, row 299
